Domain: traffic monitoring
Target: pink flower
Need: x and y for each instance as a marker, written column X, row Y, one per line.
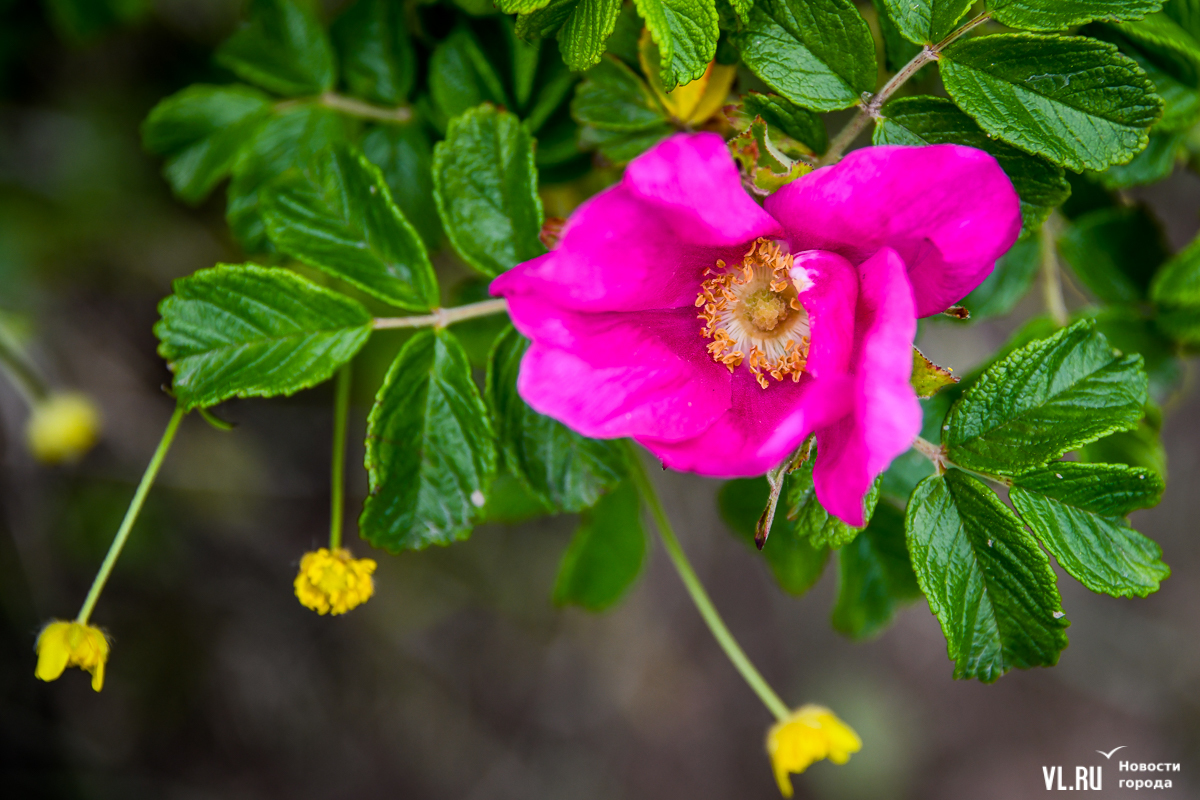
column 719, row 334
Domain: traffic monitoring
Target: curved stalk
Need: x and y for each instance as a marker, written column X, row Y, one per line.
column 337, row 496
column 442, row 317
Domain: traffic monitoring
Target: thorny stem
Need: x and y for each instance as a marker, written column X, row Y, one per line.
column 699, row 596
column 23, row 375
column 131, row 515
column 353, row 107
column 442, row 317
column 1052, row 288
column 869, row 109
column 341, row 408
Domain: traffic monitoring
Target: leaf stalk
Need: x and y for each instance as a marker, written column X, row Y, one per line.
column 444, row 317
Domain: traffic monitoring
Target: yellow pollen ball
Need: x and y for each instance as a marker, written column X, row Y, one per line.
column 331, row 581
column 62, row 428
column 71, row 644
column 766, row 309
column 810, row 734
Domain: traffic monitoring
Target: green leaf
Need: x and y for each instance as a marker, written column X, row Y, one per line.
column 1115, row 252
column 1009, row 281
column 614, row 98
column 1140, row 447
column 485, row 184
column 585, row 32
column 1058, row 15
column 1041, row 185
column 1171, row 47
column 461, row 77
column 793, row 560
column 1127, row 329
column 606, row 554
column 1181, row 100
column 1043, row 400
column 545, row 21
column 567, row 470
column 926, row 21
column 249, row 331
column 810, row 519
column 818, row 54
column 289, row 138
column 1178, row 282
column 200, row 130
column 520, row 6
column 338, row 216
column 378, row 62
column 897, row 50
column 619, row 147
column 927, row 377
column 1154, row 164
column 989, row 584
column 780, row 114
column 405, row 156
column 1186, row 13
column 686, row 34
column 430, row 453
column 875, row 576
column 1076, row 101
column 1078, row 510
column 282, row 48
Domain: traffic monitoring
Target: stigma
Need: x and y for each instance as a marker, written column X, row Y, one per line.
column 752, row 315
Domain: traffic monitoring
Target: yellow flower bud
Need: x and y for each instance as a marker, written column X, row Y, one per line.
column 808, row 735
column 62, row 427
column 71, row 644
column 330, row 581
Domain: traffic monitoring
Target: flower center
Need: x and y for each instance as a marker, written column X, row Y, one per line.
column 752, row 315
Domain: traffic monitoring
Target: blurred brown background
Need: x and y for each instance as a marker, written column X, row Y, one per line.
column 459, row 679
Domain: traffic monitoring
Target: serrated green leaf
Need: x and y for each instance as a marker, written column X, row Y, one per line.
column 286, row 139
column 485, row 184
column 1178, row 282
column 584, row 33
column 1009, row 281
column 1181, row 101
column 282, row 48
column 612, row 97
column 875, row 576
column 989, row 584
column 545, row 21
column 1154, row 164
column 926, row 21
column 1115, row 252
column 1076, row 101
column 1171, row 47
column 686, row 34
column 430, row 452
column 337, row 215
column 378, row 62
column 817, row 54
column 809, row 518
column 1041, row 186
column 200, row 130
column 606, row 554
column 1058, row 15
column 1078, row 510
column 567, row 470
column 781, row 114
column 249, row 331
column 461, row 77
column 405, row 156
column 1130, row 331
column 1044, row 399
column 794, row 562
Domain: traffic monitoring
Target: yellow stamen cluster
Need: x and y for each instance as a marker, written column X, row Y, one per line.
column 331, row 581
column 62, row 428
column 810, row 734
column 752, row 314
column 71, row 644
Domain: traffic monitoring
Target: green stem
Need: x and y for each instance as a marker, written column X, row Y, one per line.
column 938, row 454
column 131, row 515
column 442, row 317
column 699, row 596
column 1052, row 289
column 24, row 377
column 350, row 106
column 341, row 408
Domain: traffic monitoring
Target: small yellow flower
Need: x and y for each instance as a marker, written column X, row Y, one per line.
column 71, row 644
column 332, row 581
column 808, row 735
column 62, row 427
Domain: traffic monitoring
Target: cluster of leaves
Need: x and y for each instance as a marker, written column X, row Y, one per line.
column 354, row 156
